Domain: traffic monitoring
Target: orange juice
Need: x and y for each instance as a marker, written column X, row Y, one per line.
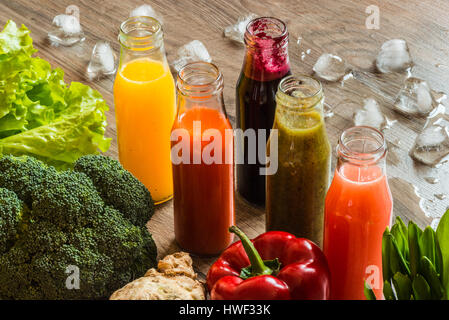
column 145, row 109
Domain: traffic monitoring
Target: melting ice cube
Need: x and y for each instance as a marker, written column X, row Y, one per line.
column 236, row 31
column 431, row 145
column 370, row 115
column 330, row 67
column 191, row 52
column 415, row 98
column 394, row 56
column 102, row 62
column 146, row 11
column 66, row 30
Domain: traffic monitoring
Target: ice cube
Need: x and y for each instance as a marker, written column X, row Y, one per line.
column 431, row 145
column 394, row 56
column 415, row 98
column 370, row 115
column 103, row 61
column 330, row 67
column 236, row 31
column 191, row 52
column 146, row 11
column 66, row 30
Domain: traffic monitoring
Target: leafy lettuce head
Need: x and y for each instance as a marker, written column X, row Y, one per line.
column 39, row 114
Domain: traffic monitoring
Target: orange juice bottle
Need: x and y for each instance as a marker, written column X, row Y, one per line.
column 145, row 106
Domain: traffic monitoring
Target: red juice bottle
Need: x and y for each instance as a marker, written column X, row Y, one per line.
column 358, row 209
column 203, row 199
column 266, row 62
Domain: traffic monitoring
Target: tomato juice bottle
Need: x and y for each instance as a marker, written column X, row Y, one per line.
column 203, row 162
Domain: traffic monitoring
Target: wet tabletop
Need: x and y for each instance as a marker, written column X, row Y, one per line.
column 324, row 26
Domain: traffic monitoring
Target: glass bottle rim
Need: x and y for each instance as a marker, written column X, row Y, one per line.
column 278, row 33
column 199, row 79
column 301, row 92
column 141, row 33
column 366, row 153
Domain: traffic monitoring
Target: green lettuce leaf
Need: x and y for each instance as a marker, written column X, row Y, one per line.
column 443, row 244
column 39, row 115
column 77, row 132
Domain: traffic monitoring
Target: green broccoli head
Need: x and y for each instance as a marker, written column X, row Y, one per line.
column 68, row 199
column 11, row 211
column 118, row 187
column 69, row 228
column 23, row 175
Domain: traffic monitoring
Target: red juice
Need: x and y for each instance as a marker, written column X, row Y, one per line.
column 203, row 166
column 357, row 211
column 266, row 63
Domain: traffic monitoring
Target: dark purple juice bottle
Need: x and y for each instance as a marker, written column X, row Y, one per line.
column 266, row 63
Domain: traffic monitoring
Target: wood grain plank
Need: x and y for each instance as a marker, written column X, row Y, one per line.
column 324, row 26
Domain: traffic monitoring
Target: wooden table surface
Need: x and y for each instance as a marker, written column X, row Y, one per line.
column 336, row 27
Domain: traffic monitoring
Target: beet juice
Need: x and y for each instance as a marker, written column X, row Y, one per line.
column 266, row 63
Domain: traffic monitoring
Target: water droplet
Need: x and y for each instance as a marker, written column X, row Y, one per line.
column 440, row 196
column 347, row 76
column 432, row 180
column 328, row 110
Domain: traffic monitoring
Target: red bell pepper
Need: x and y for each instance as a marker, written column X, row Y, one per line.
column 251, row 270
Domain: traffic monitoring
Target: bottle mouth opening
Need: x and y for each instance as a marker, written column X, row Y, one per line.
column 300, row 86
column 266, row 31
column 362, row 144
column 199, row 79
column 140, row 32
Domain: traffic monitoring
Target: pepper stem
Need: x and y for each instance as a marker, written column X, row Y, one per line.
column 258, row 267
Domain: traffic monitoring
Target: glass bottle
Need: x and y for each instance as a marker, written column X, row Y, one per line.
column 296, row 191
column 266, row 62
column 203, row 162
column 358, row 209
column 145, row 106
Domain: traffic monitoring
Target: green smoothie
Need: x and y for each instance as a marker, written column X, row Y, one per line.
column 296, row 192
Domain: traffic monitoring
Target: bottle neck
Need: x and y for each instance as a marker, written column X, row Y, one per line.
column 361, row 153
column 266, row 56
column 200, row 84
column 300, row 98
column 141, row 37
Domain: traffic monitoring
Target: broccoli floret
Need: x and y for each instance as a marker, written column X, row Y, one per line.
column 118, row 187
column 11, row 210
column 69, row 199
column 68, row 224
column 23, row 175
